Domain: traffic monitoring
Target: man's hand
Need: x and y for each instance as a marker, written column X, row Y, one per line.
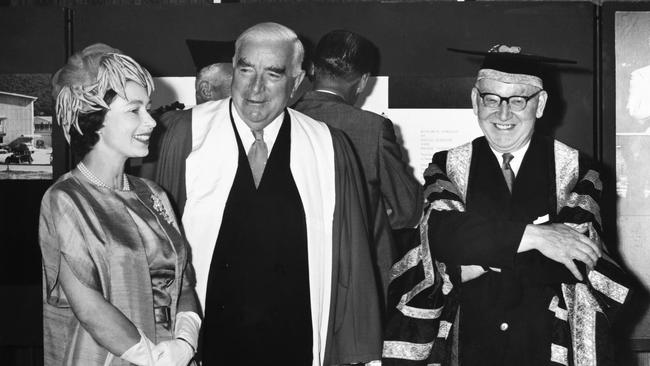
column 561, row 244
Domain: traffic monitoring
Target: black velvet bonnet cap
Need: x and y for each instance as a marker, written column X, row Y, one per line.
column 205, row 52
column 512, row 65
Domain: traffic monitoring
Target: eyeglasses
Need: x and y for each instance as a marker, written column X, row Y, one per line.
column 516, row 102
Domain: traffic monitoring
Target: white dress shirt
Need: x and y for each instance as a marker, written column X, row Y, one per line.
column 518, row 156
column 247, row 139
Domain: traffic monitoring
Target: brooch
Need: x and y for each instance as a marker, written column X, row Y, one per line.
column 160, row 209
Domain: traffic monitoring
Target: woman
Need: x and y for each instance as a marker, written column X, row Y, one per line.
column 116, row 272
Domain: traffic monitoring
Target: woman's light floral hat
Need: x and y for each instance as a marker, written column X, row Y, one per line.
column 79, row 86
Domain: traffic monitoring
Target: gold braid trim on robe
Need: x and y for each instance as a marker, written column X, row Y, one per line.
column 581, row 310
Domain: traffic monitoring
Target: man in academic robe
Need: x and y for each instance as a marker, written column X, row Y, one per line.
column 172, row 137
column 342, row 63
column 512, row 222
column 276, row 219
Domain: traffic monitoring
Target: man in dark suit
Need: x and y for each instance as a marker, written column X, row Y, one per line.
column 514, row 217
column 342, row 64
column 174, row 136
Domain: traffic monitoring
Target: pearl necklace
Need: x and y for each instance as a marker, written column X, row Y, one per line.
column 96, row 181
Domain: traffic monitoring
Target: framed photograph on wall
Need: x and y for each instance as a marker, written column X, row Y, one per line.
column 32, row 146
column 26, row 110
column 625, row 134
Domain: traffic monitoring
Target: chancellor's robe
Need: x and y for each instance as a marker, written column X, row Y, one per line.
column 520, row 309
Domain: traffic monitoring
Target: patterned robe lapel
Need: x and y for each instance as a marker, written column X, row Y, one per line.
column 582, row 311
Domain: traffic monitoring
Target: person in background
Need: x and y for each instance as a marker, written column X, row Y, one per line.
column 342, row 63
column 516, row 271
column 172, row 138
column 276, row 218
column 118, row 287
column 213, row 82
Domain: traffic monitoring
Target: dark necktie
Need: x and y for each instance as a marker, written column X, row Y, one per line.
column 508, row 174
column 257, row 156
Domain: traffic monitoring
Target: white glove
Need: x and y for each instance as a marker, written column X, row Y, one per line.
column 142, row 353
column 180, row 350
column 176, row 352
column 188, row 324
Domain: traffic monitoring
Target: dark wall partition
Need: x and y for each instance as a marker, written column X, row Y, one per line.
column 33, row 43
column 33, row 39
column 412, row 38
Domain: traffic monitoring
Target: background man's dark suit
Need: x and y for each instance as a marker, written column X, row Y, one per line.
column 391, row 186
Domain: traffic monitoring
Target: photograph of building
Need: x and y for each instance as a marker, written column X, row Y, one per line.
column 25, row 139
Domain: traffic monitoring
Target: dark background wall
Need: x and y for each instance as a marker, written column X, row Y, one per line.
column 412, row 37
column 33, row 42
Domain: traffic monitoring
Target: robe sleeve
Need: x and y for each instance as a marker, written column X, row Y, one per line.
column 458, row 237
column 583, row 204
column 401, row 192
column 582, row 212
column 355, row 329
column 63, row 236
column 174, row 147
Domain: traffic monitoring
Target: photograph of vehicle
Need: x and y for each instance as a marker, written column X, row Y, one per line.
column 25, row 126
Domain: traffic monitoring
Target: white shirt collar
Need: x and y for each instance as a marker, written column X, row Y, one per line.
column 518, row 157
column 270, row 131
column 326, row 91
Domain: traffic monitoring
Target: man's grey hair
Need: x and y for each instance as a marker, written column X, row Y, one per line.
column 218, row 75
column 273, row 32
